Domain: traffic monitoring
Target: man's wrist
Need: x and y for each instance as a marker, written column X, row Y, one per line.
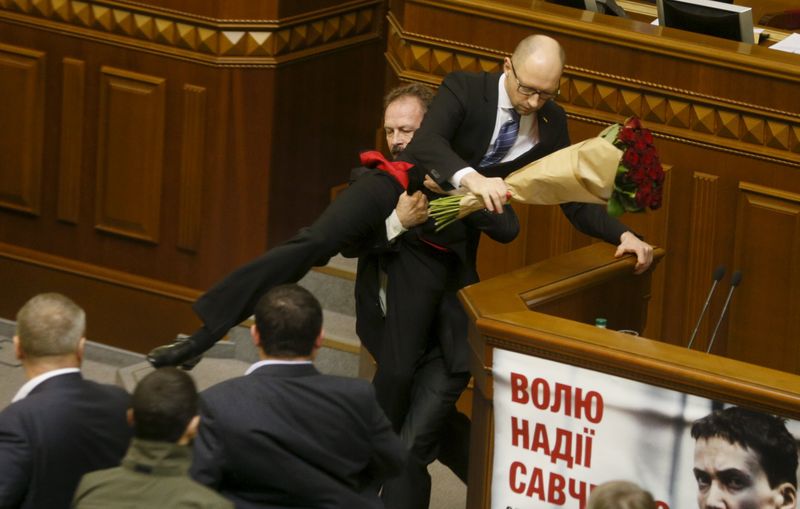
column 633, row 234
column 394, row 228
column 458, row 176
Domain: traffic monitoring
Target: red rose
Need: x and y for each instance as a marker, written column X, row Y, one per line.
column 627, row 136
column 631, row 158
column 633, row 123
column 648, row 159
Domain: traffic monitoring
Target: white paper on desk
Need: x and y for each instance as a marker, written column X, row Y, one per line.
column 790, row 44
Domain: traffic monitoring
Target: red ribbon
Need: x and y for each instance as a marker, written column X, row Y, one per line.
column 397, row 169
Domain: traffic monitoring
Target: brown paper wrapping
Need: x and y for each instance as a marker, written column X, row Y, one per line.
column 583, row 172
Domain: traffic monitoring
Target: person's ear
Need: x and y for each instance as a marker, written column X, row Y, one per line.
column 190, row 432
column 255, row 336
column 129, row 415
column 317, row 344
column 507, row 66
column 786, row 495
column 18, row 351
column 80, row 349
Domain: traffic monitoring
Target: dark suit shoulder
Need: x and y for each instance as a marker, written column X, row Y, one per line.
column 348, row 383
column 472, row 87
column 66, row 388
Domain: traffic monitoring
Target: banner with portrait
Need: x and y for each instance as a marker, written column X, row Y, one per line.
column 559, row 430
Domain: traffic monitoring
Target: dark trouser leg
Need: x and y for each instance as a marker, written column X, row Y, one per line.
column 454, row 444
column 357, row 214
column 432, row 410
column 417, row 280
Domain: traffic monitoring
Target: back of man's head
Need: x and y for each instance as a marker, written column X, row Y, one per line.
column 764, row 434
column 50, row 324
column 164, row 403
column 288, row 320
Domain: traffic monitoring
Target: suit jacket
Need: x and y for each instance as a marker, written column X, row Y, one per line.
column 288, row 436
column 455, row 133
column 458, row 126
column 64, row 428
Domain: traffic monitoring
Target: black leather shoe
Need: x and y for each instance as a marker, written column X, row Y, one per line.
column 180, row 353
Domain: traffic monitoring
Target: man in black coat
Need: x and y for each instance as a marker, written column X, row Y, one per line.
column 59, row 425
column 285, row 435
column 462, row 143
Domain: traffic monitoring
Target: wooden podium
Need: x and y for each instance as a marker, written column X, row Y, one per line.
column 547, row 310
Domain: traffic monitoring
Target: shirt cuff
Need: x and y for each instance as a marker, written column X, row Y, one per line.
column 455, row 180
column 393, row 227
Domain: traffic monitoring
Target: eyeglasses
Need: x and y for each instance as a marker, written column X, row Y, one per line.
column 529, row 91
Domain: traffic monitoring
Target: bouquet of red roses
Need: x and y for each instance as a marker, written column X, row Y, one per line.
column 619, row 168
column 639, row 177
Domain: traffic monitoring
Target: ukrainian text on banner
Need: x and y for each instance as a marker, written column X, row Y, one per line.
column 559, row 430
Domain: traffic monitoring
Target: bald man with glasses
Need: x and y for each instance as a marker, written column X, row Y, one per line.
column 465, row 120
column 479, row 128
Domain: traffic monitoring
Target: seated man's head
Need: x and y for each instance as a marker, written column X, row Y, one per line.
column 288, row 323
column 744, row 459
column 404, row 107
column 50, row 333
column 620, row 495
column 165, row 407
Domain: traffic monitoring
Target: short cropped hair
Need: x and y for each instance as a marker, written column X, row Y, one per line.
column 422, row 92
column 50, row 324
column 765, row 434
column 288, row 319
column 620, row 495
column 163, row 404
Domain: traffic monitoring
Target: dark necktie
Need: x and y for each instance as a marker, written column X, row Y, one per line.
column 505, row 140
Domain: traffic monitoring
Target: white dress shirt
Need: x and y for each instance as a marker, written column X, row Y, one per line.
column 527, row 138
column 269, row 362
column 34, row 382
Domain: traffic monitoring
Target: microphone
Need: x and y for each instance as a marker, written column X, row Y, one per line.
column 717, row 276
column 736, row 278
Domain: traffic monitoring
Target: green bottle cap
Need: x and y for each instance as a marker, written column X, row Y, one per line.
column 600, row 322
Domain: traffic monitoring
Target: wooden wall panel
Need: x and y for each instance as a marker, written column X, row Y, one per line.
column 22, row 79
column 308, row 28
column 767, row 303
column 191, row 188
column 71, row 158
column 179, row 138
column 130, row 154
column 701, row 261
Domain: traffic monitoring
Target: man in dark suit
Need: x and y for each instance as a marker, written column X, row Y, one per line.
column 355, row 218
column 285, row 435
column 430, row 427
column 59, row 426
column 465, row 140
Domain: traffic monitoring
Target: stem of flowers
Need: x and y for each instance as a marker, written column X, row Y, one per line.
column 445, row 210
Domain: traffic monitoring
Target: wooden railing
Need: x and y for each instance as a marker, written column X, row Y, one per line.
column 546, row 310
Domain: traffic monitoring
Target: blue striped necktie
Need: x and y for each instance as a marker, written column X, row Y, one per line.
column 505, row 140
